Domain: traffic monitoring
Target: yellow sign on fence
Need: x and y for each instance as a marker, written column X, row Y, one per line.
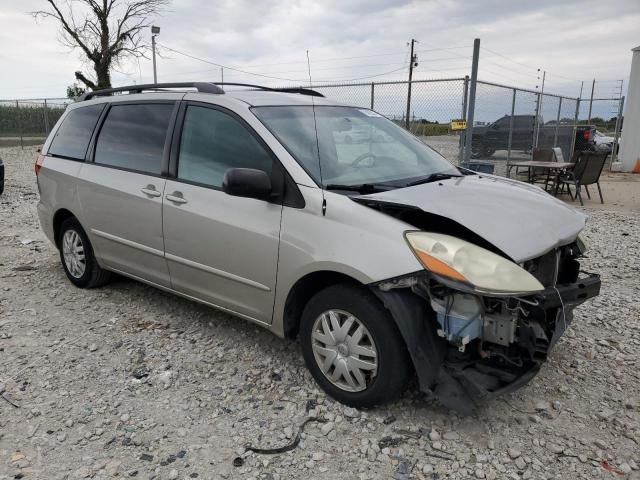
column 458, row 124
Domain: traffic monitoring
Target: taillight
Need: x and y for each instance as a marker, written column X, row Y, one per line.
column 39, row 162
column 586, row 135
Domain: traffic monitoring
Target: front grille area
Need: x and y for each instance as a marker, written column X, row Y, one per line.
column 545, row 268
column 558, row 266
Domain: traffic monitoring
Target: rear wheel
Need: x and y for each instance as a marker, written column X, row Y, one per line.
column 76, row 255
column 353, row 348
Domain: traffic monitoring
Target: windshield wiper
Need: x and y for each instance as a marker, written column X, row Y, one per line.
column 361, row 188
column 434, row 177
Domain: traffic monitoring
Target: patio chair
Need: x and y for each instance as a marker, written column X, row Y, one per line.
column 586, row 171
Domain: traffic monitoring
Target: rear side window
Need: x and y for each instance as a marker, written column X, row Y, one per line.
column 133, row 137
column 213, row 142
column 72, row 138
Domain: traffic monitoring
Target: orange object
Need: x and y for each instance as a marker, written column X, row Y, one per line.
column 438, row 266
column 636, row 169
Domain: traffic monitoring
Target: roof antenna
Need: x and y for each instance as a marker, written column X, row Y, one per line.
column 315, row 125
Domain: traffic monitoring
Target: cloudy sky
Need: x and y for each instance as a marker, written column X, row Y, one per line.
column 347, row 39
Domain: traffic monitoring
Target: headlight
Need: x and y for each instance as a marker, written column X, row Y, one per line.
column 455, row 259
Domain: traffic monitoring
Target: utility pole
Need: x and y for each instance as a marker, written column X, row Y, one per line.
column 154, row 32
column 413, row 62
column 221, row 74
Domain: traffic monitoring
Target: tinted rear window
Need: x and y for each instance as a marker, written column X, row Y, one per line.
column 133, row 137
column 73, row 136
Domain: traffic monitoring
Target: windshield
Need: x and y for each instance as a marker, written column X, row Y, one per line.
column 357, row 146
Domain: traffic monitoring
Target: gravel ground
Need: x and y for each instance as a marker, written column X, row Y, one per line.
column 128, row 381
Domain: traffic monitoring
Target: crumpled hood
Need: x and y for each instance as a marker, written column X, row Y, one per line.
column 520, row 219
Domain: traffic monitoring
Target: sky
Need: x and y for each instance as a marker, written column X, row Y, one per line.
column 347, row 40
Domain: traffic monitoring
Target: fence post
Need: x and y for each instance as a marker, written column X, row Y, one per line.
column 373, row 86
column 513, row 111
column 575, row 127
column 614, row 153
column 463, row 133
column 46, row 118
column 538, row 110
column 593, row 86
column 19, row 124
column 536, row 121
column 472, row 102
column 555, row 134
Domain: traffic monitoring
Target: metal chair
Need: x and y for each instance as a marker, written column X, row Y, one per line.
column 586, row 171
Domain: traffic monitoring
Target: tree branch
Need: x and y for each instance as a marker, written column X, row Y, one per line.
column 106, row 31
column 86, row 81
column 66, row 26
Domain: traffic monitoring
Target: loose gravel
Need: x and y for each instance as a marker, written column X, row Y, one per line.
column 128, row 381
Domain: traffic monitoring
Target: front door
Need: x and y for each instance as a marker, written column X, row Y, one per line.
column 121, row 191
column 220, row 248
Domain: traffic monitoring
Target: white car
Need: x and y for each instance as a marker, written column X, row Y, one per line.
column 604, row 143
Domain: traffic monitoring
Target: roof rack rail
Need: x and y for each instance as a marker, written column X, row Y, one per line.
column 204, row 87
column 300, row 90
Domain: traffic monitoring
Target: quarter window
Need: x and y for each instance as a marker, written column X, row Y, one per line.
column 213, row 142
column 133, row 137
column 72, row 138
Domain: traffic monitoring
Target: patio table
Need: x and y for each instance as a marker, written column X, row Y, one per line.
column 530, row 165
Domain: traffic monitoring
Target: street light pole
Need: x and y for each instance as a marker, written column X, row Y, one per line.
column 154, row 32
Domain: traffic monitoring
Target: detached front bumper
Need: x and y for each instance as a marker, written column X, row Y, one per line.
column 462, row 377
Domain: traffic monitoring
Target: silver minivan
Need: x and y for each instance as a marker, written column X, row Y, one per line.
column 384, row 259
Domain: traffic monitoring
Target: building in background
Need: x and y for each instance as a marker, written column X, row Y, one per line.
column 630, row 144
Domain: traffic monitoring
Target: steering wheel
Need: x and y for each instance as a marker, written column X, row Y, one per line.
column 361, row 157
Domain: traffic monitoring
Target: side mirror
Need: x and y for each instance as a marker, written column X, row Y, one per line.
column 247, row 182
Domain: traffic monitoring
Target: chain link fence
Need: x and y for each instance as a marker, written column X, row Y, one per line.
column 28, row 122
column 509, row 122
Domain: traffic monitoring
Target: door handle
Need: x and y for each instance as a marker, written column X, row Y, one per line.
column 151, row 191
column 176, row 197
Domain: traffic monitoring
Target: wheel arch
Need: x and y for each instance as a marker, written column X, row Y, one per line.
column 58, row 218
column 302, row 291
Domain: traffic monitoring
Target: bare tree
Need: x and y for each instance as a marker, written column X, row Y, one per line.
column 106, row 31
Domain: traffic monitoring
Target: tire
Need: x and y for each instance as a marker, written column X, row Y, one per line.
column 87, row 274
column 477, row 150
column 480, row 151
column 1, row 177
column 393, row 365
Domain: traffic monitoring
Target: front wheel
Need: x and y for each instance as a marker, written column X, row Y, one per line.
column 353, row 348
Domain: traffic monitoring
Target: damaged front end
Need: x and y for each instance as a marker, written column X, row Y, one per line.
column 468, row 344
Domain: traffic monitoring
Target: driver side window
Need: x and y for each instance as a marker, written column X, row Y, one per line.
column 213, row 142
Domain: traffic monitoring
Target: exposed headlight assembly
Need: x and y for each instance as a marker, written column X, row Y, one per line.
column 463, row 263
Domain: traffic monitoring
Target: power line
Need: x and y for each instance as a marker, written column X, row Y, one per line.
column 277, row 78
column 315, row 69
column 529, row 67
column 228, row 67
